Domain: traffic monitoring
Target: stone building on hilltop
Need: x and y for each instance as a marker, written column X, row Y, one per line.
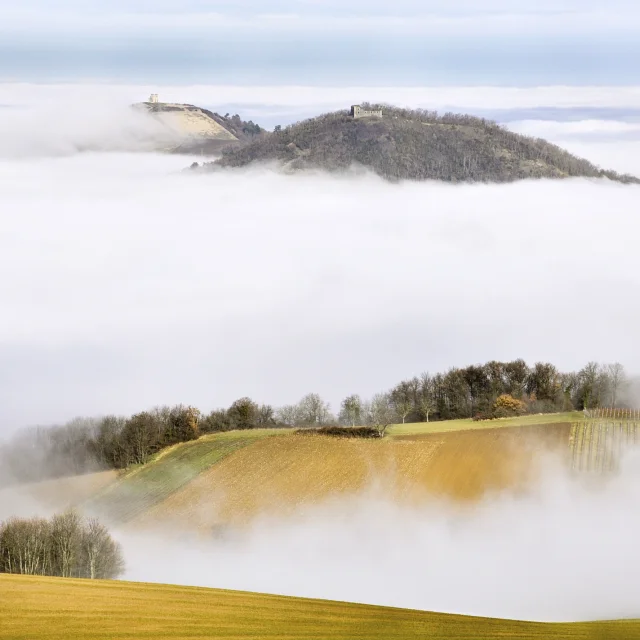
column 358, row 112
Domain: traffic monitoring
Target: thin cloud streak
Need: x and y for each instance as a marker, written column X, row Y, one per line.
column 297, row 97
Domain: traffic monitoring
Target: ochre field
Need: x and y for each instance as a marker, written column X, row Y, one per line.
column 66, row 609
column 230, row 478
column 279, row 474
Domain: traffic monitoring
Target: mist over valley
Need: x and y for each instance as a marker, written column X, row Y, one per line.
column 130, row 282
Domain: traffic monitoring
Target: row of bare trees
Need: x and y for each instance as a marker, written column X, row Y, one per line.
column 114, row 442
column 484, row 391
column 67, row 546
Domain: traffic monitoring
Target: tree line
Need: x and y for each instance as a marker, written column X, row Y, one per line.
column 492, row 390
column 67, row 546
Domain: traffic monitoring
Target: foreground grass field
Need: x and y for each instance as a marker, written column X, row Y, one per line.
column 65, row 609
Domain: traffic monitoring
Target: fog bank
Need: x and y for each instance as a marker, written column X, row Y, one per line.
column 566, row 551
column 131, row 283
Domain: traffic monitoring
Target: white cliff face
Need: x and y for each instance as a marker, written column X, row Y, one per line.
column 187, row 121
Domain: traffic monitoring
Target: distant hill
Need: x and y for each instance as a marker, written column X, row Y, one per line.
column 413, row 145
column 194, row 130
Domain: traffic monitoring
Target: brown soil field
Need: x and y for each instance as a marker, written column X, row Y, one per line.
column 278, row 475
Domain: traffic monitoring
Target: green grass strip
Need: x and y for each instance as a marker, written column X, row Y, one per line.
column 142, row 487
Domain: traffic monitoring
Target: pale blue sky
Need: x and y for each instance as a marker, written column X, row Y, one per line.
column 404, row 42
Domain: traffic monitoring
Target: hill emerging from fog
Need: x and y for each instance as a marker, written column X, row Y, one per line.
column 413, row 145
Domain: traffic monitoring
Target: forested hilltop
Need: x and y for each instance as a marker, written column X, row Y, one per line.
column 413, row 145
column 489, row 391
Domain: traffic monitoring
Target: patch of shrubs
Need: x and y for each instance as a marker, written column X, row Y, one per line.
column 505, row 406
column 343, row 432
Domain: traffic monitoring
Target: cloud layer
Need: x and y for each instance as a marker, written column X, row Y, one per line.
column 133, row 283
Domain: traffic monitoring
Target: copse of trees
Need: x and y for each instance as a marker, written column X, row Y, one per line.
column 492, row 390
column 66, row 546
column 499, row 389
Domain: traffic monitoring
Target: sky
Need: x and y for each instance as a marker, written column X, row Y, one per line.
column 400, row 43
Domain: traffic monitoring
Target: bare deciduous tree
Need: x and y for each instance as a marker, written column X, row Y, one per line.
column 65, row 546
column 65, row 539
column 617, row 381
column 314, row 410
column 351, row 409
column 100, row 554
column 288, row 415
column 426, row 399
column 401, row 399
column 381, row 412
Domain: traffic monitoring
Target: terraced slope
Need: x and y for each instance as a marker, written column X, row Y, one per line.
column 279, row 475
column 66, row 609
column 143, row 487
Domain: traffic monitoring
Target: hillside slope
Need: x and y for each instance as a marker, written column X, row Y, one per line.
column 64, row 609
column 414, row 145
column 282, row 474
column 228, row 479
column 187, row 129
column 194, row 130
column 140, row 488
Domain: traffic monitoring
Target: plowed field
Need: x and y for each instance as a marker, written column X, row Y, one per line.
column 278, row 475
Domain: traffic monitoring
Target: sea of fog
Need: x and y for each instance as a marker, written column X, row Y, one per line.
column 128, row 282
